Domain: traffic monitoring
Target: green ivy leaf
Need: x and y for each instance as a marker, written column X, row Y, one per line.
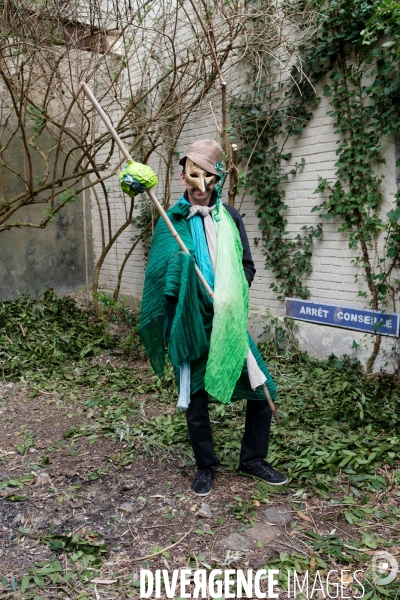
column 394, row 215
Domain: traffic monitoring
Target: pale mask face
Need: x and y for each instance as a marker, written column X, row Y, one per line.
column 196, row 177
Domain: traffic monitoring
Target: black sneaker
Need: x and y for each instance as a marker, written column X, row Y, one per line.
column 263, row 471
column 203, row 481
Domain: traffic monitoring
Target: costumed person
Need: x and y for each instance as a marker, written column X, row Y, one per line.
column 213, row 355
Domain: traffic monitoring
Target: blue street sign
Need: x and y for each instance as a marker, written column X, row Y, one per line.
column 362, row 319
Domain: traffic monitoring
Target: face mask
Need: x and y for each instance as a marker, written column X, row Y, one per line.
column 196, row 177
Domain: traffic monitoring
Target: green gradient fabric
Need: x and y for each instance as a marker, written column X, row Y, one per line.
column 229, row 343
column 176, row 307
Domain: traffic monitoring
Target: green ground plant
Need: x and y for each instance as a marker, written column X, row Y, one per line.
column 339, row 425
column 338, row 439
column 41, row 334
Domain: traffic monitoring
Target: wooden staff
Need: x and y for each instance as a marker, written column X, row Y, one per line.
column 162, row 212
column 271, row 404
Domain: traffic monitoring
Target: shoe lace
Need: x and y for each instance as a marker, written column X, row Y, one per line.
column 203, row 475
column 264, row 467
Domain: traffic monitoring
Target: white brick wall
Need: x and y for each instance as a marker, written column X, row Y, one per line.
column 332, row 278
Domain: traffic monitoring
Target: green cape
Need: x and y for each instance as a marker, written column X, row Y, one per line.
column 176, row 307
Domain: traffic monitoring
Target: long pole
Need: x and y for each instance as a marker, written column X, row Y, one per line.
column 152, row 197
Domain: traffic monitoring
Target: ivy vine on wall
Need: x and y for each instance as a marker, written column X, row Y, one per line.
column 272, row 114
column 357, row 53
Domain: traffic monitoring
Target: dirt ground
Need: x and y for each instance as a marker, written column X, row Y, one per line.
column 81, row 490
column 142, row 515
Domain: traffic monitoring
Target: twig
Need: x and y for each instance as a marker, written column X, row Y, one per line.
column 266, row 522
column 215, row 120
column 25, row 533
column 155, row 526
column 384, row 493
column 43, row 392
column 279, row 543
column 380, row 525
column 315, row 525
column 233, row 175
column 22, row 329
column 302, row 542
column 163, row 550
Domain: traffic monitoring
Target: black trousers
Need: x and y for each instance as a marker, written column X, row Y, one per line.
column 255, row 439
